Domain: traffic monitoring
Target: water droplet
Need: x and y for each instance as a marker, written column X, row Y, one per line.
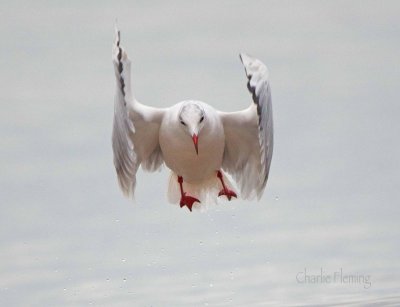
column 124, row 279
column 201, row 242
column 276, row 198
column 65, row 289
column 123, row 260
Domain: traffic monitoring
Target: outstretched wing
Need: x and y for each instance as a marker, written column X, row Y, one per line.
column 249, row 133
column 135, row 129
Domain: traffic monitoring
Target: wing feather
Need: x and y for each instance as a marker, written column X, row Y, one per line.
column 135, row 127
column 249, row 133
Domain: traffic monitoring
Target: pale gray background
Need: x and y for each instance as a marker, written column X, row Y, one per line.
column 68, row 237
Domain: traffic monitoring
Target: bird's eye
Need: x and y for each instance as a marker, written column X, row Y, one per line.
column 201, row 119
column 183, row 123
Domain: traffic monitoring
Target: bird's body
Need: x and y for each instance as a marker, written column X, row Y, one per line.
column 197, row 142
column 177, row 146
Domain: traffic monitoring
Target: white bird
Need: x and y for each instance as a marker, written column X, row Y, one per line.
column 197, row 142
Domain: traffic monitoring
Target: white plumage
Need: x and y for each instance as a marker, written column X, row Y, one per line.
column 197, row 142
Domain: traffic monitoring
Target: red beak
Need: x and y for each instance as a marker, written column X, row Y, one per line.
column 195, row 142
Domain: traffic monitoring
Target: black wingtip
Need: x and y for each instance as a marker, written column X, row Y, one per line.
column 119, row 58
column 117, row 33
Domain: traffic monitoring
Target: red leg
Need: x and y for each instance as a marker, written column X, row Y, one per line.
column 225, row 191
column 185, row 199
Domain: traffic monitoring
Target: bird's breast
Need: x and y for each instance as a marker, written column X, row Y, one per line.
column 180, row 155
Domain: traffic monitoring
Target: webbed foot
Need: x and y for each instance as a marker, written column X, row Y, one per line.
column 188, row 201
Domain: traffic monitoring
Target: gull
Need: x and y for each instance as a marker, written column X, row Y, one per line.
column 198, row 143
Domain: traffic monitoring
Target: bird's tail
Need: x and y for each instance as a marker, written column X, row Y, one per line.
column 207, row 191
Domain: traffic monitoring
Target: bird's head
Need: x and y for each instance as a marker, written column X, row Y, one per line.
column 191, row 118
